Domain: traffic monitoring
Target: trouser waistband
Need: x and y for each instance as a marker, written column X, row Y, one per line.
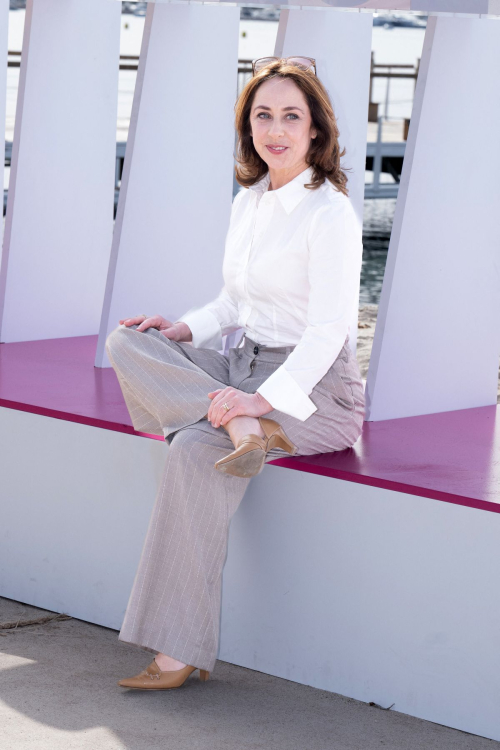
column 252, row 347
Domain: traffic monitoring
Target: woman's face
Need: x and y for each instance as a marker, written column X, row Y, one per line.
column 280, row 116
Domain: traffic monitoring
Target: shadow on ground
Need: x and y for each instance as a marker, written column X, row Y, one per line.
column 59, row 690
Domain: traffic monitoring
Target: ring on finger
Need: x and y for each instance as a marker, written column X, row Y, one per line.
column 226, row 406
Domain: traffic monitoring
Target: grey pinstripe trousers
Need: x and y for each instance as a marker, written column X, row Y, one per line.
column 174, row 605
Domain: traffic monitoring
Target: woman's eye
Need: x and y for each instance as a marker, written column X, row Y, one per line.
column 289, row 115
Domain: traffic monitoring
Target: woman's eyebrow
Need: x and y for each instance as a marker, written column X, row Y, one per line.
column 263, row 106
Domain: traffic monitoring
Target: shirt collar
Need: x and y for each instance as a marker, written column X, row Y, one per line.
column 290, row 194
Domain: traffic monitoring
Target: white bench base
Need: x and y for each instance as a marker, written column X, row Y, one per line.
column 377, row 595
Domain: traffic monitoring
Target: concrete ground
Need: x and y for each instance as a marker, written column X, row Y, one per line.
column 58, row 690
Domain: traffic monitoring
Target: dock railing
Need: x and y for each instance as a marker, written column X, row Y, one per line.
column 388, row 71
column 377, row 70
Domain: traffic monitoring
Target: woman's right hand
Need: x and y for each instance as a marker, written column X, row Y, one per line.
column 178, row 331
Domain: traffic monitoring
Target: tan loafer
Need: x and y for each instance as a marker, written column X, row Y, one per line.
column 152, row 678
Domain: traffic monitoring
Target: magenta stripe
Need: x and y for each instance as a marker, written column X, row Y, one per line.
column 451, row 456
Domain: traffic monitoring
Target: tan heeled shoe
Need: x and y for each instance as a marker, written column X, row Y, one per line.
column 249, row 456
column 152, row 678
column 276, row 437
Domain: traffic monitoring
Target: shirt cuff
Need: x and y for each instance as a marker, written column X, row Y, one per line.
column 284, row 394
column 205, row 328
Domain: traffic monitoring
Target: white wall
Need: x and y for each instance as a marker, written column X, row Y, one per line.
column 4, row 34
column 59, row 218
column 373, row 594
column 76, row 520
column 437, row 340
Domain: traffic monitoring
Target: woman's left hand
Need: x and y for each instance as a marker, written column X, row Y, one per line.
column 241, row 403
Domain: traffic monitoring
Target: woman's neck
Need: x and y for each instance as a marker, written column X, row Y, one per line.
column 285, row 181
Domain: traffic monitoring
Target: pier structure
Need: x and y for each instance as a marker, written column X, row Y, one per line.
column 370, row 572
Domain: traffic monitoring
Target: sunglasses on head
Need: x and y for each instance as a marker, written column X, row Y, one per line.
column 305, row 63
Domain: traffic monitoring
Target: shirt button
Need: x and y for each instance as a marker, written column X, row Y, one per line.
column 256, row 350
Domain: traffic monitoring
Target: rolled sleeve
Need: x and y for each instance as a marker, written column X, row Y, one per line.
column 283, row 393
column 212, row 321
column 204, row 327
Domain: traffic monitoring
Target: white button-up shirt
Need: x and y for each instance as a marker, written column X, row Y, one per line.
column 291, row 270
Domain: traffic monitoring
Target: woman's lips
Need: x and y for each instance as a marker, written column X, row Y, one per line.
column 277, row 151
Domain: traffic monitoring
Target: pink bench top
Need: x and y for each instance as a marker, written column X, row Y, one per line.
column 451, row 456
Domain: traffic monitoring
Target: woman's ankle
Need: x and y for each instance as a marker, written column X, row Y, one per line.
column 168, row 663
column 242, row 425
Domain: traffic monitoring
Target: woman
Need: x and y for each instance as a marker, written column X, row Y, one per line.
column 291, row 271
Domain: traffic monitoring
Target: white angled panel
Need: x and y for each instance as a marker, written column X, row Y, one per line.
column 59, row 220
column 176, row 191
column 4, row 34
column 341, row 45
column 437, row 341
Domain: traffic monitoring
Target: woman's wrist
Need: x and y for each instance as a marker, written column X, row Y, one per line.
column 263, row 404
column 184, row 331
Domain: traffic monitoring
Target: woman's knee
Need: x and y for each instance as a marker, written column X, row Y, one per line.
column 117, row 338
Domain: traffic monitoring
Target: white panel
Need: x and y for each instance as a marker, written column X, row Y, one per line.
column 73, row 524
column 4, row 35
column 373, row 594
column 437, row 343
column 59, row 220
column 176, row 192
column 341, row 45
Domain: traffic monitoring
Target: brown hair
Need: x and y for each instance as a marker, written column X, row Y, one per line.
column 324, row 151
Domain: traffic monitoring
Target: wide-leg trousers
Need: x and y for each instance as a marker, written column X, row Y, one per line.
column 174, row 605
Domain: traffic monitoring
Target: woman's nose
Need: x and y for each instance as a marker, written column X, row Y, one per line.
column 275, row 128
